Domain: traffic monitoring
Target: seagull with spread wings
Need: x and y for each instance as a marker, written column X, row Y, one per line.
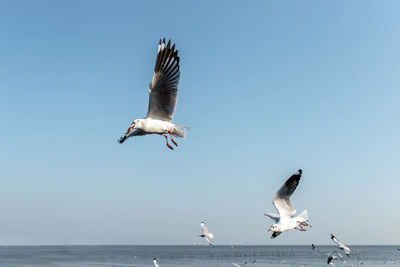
column 163, row 95
column 341, row 246
column 206, row 234
column 285, row 219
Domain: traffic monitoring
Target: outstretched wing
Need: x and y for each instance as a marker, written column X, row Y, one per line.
column 346, row 249
column 273, row 216
column 204, row 229
column 209, row 241
column 163, row 91
column 282, row 198
column 334, row 239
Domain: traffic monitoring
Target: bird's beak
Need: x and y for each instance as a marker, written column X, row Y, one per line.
column 130, row 129
column 269, row 230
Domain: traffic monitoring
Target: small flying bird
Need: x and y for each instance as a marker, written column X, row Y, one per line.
column 341, row 246
column 163, row 95
column 239, row 265
column 206, row 234
column 285, row 220
column 330, row 259
column 155, row 262
column 314, row 247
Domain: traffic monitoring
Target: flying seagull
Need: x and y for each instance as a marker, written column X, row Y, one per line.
column 285, row 220
column 314, row 247
column 155, row 262
column 330, row 259
column 341, row 246
column 163, row 95
column 239, row 265
column 206, row 234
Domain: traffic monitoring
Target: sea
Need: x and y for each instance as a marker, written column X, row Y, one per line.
column 195, row 255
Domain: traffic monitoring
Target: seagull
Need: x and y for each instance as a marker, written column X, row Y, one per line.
column 239, row 265
column 155, row 262
column 330, row 259
column 341, row 246
column 163, row 95
column 207, row 235
column 314, row 247
column 285, row 220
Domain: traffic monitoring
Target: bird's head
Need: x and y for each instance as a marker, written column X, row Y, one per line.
column 274, row 228
column 134, row 125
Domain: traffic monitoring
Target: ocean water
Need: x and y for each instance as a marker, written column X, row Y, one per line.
column 130, row 256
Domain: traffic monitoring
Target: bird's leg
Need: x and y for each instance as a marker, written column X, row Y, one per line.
column 172, row 138
column 303, row 223
column 168, row 145
column 299, row 228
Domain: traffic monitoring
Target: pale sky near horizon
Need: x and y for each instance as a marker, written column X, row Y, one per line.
column 267, row 87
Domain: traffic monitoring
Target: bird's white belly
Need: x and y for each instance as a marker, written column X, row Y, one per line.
column 289, row 224
column 157, row 126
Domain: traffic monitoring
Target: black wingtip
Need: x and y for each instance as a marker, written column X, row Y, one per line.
column 300, row 171
column 122, row 139
column 154, row 258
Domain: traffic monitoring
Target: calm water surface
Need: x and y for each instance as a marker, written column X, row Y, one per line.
column 129, row 256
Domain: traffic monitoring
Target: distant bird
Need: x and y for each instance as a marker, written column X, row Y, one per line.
column 330, row 259
column 239, row 265
column 314, row 247
column 155, row 262
column 163, row 95
column 341, row 246
column 285, row 220
column 398, row 249
column 206, row 234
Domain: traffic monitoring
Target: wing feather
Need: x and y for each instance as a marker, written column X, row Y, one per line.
column 282, row 197
column 163, row 90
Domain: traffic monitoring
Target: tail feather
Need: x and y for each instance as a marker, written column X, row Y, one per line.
column 179, row 131
column 303, row 216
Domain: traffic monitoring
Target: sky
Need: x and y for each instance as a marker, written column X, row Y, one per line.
column 267, row 87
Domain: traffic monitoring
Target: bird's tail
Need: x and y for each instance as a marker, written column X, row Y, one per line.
column 180, row 131
column 303, row 216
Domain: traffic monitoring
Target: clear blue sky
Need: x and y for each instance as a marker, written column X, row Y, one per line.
column 266, row 86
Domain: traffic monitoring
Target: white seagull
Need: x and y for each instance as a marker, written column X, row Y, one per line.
column 163, row 95
column 285, row 220
column 155, row 262
column 239, row 265
column 206, row 234
column 341, row 246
